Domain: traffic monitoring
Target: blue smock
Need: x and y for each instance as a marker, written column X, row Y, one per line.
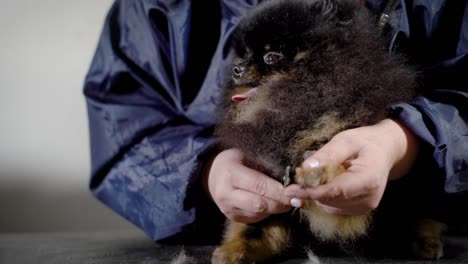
column 157, row 76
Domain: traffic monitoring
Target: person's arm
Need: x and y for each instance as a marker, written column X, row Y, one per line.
column 433, row 35
column 440, row 120
column 147, row 141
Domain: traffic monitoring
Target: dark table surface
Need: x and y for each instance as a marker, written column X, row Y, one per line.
column 134, row 247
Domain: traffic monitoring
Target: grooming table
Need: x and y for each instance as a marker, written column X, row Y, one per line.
column 125, row 247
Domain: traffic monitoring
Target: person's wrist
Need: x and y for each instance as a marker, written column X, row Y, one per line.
column 403, row 146
column 205, row 172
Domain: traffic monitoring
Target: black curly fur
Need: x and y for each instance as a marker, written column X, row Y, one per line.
column 334, row 63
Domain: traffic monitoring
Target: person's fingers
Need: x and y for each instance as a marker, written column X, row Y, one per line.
column 296, row 191
column 255, row 182
column 346, row 186
column 341, row 187
column 352, row 206
column 360, row 185
column 247, row 207
column 338, row 150
column 248, row 219
column 256, row 204
column 331, row 209
column 348, row 210
column 352, row 184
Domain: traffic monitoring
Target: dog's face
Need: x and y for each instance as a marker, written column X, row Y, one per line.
column 277, row 37
column 303, row 65
column 280, row 67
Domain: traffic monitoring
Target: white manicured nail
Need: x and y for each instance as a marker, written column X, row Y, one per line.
column 296, row 202
column 313, row 163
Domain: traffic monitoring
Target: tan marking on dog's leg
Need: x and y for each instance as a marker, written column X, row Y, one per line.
column 428, row 243
column 239, row 247
column 323, row 130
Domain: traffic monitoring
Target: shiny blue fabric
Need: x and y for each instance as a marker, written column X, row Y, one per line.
column 146, row 136
column 435, row 34
column 151, row 119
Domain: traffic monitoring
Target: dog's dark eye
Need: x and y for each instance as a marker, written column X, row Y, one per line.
column 272, row 57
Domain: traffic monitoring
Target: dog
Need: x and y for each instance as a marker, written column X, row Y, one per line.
column 305, row 70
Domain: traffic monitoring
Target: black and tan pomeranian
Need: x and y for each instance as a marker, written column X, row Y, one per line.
column 304, row 71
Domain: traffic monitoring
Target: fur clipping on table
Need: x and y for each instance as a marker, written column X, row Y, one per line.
column 313, row 259
column 183, row 258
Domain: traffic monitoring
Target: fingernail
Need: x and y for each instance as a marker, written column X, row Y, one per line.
column 313, row 163
column 296, row 202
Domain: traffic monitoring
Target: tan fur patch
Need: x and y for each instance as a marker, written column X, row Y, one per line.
column 299, row 56
column 323, row 130
column 237, row 248
column 334, row 227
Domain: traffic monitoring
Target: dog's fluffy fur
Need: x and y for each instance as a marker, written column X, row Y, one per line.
column 317, row 67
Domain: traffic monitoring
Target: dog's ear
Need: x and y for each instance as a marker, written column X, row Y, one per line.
column 348, row 16
column 343, row 10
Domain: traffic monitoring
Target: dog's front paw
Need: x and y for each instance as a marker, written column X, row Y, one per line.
column 229, row 253
column 428, row 243
column 318, row 175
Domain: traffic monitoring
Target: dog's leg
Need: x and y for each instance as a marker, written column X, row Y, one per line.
column 325, row 225
column 246, row 244
column 428, row 239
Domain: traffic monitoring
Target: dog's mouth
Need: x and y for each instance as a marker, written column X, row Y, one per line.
column 242, row 93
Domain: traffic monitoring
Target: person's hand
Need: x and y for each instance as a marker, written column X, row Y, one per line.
column 372, row 154
column 242, row 194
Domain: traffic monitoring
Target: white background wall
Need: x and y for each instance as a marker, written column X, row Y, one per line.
column 45, row 50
